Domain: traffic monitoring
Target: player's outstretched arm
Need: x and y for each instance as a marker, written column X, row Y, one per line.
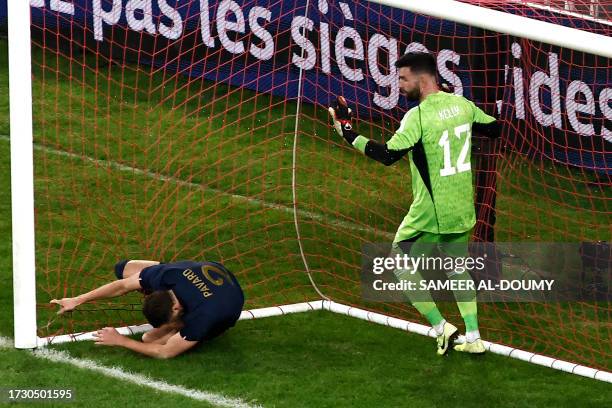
column 342, row 121
column 160, row 335
column 172, row 348
column 110, row 290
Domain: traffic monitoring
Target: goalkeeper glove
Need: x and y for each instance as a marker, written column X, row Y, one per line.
column 342, row 115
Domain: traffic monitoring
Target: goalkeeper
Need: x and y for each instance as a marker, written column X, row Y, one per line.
column 436, row 135
column 187, row 302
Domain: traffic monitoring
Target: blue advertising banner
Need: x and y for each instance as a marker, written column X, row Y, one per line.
column 557, row 100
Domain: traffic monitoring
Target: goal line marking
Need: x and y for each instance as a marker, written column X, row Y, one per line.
column 138, row 379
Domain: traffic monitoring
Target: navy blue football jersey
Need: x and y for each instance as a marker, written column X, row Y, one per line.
column 210, row 295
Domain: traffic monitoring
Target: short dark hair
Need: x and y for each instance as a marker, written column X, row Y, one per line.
column 157, row 307
column 418, row 62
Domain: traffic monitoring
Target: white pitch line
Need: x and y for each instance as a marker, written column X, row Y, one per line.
column 138, row 379
column 253, row 201
column 6, row 343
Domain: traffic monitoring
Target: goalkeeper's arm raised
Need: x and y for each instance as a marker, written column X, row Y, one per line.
column 342, row 117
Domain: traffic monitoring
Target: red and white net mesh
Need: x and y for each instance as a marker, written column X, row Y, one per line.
column 167, row 141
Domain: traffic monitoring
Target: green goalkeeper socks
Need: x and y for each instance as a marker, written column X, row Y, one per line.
column 425, row 304
column 430, row 311
column 466, row 302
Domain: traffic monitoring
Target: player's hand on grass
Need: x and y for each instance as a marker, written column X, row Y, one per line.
column 66, row 304
column 108, row 336
column 342, row 117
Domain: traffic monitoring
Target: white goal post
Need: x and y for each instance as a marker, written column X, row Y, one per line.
column 22, row 174
column 507, row 23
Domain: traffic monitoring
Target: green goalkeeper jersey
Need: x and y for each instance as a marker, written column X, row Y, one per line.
column 439, row 131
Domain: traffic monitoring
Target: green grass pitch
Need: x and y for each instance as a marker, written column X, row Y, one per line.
column 313, row 359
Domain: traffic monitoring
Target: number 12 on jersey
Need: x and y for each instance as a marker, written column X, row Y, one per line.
column 445, row 143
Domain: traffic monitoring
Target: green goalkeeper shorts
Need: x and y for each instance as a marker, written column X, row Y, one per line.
column 424, row 243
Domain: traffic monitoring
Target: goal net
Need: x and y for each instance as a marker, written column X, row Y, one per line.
column 171, row 130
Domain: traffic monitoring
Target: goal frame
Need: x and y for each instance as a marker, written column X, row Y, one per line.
column 22, row 177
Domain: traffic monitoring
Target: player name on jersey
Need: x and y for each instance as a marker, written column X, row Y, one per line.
column 197, row 282
column 448, row 113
